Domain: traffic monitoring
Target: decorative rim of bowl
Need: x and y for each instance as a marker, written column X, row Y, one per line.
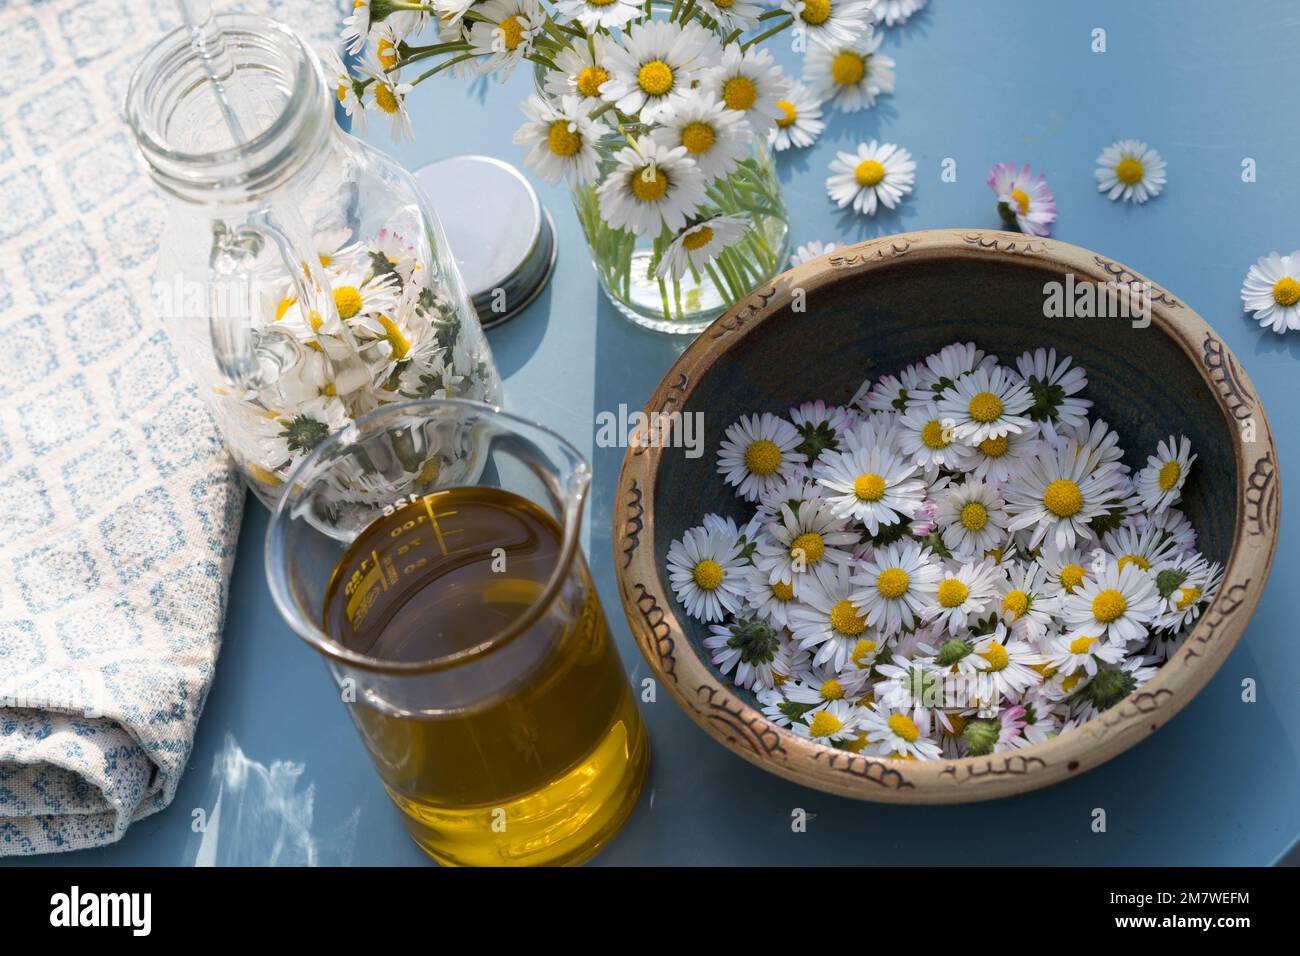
column 718, row 708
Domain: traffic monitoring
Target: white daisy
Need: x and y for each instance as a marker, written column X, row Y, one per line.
column 1064, row 569
column 928, row 441
column 750, row 83
column 908, row 684
column 1025, row 201
column 356, row 27
column 595, row 14
column 1070, row 655
column 893, row 13
column 805, row 547
column 347, row 91
column 830, row 22
column 878, row 173
column 1186, row 584
column 848, row 75
column 733, row 15
column 837, row 721
column 811, row 250
column 972, row 518
column 698, row 245
column 1009, row 669
column 1130, row 170
column 1052, row 385
column 1117, row 603
column 1272, row 292
column 871, row 485
column 800, row 122
column 1027, row 606
column 579, row 71
column 388, row 96
column 757, row 452
column 505, row 35
column 651, row 187
column 1144, row 546
column 995, row 460
column 657, row 62
column 942, row 370
column 707, row 573
column 563, row 138
column 987, row 403
column 821, row 687
column 716, row 137
column 969, row 589
column 899, row 733
column 777, row 709
column 825, row 619
column 1160, row 483
column 1054, row 493
column 896, row 584
column 750, row 648
column 770, row 601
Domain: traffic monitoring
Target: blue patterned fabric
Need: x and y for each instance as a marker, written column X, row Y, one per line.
column 118, row 508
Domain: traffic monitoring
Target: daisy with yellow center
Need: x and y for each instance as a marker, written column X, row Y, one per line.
column 830, row 22
column 597, row 14
column 707, row 573
column 988, row 403
column 798, row 120
column 837, row 721
column 809, row 546
column 1160, row 483
column 1055, row 494
column 563, row 139
column 826, row 623
column 1186, row 584
column 1072, row 655
column 656, row 62
column 963, row 593
column 877, row 174
column 971, row 518
column 715, row 137
column 869, row 484
column 749, row 82
column 769, row 601
column 900, row 733
column 1007, row 666
column 1025, row 605
column 1025, row 202
column 652, row 187
column 928, row 440
column 1119, row 604
column 388, row 98
column 896, row 585
column 757, row 453
column 1130, row 171
column 849, row 75
column 505, row 35
column 698, row 245
column 1271, row 292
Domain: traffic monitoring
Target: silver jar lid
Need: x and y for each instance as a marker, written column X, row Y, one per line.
column 501, row 236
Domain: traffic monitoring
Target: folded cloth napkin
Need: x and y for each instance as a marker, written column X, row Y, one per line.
column 118, row 507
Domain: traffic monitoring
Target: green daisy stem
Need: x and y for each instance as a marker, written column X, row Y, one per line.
column 768, row 34
column 442, row 66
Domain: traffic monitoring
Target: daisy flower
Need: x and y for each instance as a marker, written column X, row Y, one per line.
column 1027, row 607
column 891, row 392
column 388, row 95
column 563, row 138
column 821, row 686
column 505, row 35
column 1160, row 483
column 876, row 174
column 698, row 245
column 800, row 122
column 793, row 490
column 347, row 91
column 1110, row 686
column 749, row 648
column 1186, row 584
column 1065, row 569
column 830, row 22
column 651, row 186
column 908, row 684
column 1053, row 385
column 969, row 589
column 849, row 75
column 1024, row 200
column 825, row 619
column 995, row 460
column 657, row 62
column 1117, row 603
column 972, row 518
column 814, row 541
column 1130, row 170
column 1010, row 664
column 1173, row 524
column 749, row 82
column 778, row 710
column 311, row 422
column 770, row 601
column 837, row 721
column 880, row 430
column 757, row 452
column 732, row 15
column 899, row 733
column 595, row 14
column 896, row 585
column 1143, row 546
column 357, row 294
column 707, row 573
column 871, row 485
column 1272, row 292
column 892, row 13
column 1070, row 655
column 356, row 28
column 987, row 403
column 1055, row 494
column 811, row 250
column 941, row 371
column 579, row 71
column 713, row 135
column 822, row 426
column 927, row 441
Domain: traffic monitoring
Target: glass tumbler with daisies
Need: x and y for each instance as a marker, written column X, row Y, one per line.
column 659, row 115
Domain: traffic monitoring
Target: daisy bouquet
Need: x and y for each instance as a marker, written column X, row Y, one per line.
column 660, row 116
column 956, row 563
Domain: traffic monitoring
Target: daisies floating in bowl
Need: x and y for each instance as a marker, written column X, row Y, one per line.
column 957, row 563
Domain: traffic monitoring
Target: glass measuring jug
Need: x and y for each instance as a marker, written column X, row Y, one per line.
column 302, row 277
column 429, row 552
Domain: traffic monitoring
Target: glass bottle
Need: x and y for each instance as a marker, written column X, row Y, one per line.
column 302, row 276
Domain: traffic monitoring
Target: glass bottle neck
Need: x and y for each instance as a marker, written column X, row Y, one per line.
column 179, row 123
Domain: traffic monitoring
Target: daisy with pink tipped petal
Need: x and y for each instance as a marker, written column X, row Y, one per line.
column 1024, row 200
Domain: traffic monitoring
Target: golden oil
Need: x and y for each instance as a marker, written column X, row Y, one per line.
column 529, row 750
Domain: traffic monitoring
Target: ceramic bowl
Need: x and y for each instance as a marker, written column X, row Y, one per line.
column 816, row 332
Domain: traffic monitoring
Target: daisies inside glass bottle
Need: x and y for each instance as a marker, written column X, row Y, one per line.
column 303, row 278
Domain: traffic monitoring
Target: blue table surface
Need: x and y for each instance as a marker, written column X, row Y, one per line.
column 282, row 776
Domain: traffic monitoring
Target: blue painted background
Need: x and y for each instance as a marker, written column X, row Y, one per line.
column 979, row 81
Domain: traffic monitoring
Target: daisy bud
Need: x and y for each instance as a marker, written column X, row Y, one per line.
column 1168, row 580
column 1108, row 688
column 981, row 736
column 755, row 640
column 953, row 651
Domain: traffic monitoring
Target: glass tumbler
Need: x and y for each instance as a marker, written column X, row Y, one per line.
column 429, row 552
